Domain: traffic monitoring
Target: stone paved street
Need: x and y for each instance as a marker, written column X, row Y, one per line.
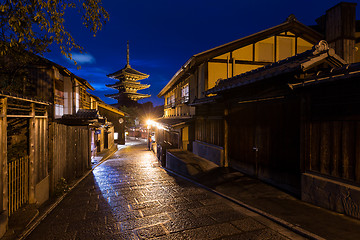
column 130, row 197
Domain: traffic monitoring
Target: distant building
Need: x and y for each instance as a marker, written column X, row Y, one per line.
column 128, row 85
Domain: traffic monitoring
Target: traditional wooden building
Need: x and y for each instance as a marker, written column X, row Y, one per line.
column 295, row 124
column 116, row 117
column 202, row 71
column 128, row 85
column 46, row 133
column 330, row 138
column 262, row 115
column 289, row 117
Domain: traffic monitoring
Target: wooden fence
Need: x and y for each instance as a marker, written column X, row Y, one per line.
column 40, row 139
column 18, row 179
column 3, row 156
column 70, row 152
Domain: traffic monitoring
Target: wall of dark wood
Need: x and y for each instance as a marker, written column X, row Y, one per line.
column 332, row 131
column 264, row 141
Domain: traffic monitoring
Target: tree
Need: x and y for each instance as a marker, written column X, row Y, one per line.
column 34, row 25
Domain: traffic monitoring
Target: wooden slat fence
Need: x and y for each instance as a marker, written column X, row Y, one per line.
column 3, row 154
column 70, row 153
column 41, row 149
column 18, row 182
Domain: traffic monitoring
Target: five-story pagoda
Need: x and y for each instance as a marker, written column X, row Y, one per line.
column 127, row 85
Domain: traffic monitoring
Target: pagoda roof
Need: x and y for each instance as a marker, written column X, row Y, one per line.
column 125, row 84
column 128, row 71
column 130, row 95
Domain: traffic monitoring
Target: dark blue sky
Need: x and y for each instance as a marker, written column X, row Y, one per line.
column 164, row 34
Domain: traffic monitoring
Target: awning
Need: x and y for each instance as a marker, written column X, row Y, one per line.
column 83, row 117
column 173, row 122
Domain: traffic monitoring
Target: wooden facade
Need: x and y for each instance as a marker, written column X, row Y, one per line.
column 296, row 127
column 332, row 129
column 204, row 70
column 264, row 141
column 263, row 116
column 116, row 117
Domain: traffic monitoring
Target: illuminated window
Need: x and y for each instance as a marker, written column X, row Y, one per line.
column 185, row 94
column 303, row 45
column 59, row 111
column 172, row 100
column 285, row 47
column 264, row 50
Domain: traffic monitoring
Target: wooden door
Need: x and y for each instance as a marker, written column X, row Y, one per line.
column 264, row 141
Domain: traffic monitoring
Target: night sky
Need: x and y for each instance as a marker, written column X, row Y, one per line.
column 164, row 34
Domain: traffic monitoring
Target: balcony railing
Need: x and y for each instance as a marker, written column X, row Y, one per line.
column 181, row 100
column 185, row 99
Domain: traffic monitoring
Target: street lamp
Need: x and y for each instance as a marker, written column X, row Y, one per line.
column 149, row 122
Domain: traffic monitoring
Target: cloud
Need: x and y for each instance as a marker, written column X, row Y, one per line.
column 83, row 58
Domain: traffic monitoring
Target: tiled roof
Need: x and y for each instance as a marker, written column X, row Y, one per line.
column 173, row 122
column 83, row 114
column 349, row 71
column 140, row 95
column 299, row 62
column 127, row 71
column 132, row 84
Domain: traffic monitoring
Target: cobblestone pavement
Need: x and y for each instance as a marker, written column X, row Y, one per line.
column 130, row 197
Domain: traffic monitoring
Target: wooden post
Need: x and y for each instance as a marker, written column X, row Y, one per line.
column 3, row 156
column 233, row 67
column 226, row 138
column 32, row 176
column 227, row 67
column 89, row 149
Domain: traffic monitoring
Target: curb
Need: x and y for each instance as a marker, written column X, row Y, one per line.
column 32, row 225
column 281, row 222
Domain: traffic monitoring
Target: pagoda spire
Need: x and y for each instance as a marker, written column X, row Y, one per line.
column 127, row 56
column 128, row 84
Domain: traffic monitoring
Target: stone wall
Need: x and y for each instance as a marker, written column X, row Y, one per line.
column 210, row 152
column 331, row 194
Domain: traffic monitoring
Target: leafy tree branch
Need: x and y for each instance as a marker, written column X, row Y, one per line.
column 35, row 24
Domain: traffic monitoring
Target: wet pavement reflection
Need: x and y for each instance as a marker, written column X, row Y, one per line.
column 130, row 197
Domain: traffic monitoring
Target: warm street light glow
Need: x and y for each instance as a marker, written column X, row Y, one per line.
column 150, row 122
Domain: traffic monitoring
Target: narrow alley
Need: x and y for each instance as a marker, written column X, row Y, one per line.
column 129, row 196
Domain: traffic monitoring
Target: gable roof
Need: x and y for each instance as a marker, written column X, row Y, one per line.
column 320, row 53
column 346, row 72
column 62, row 70
column 291, row 24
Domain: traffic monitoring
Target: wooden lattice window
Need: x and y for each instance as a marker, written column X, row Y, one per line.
column 85, row 102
